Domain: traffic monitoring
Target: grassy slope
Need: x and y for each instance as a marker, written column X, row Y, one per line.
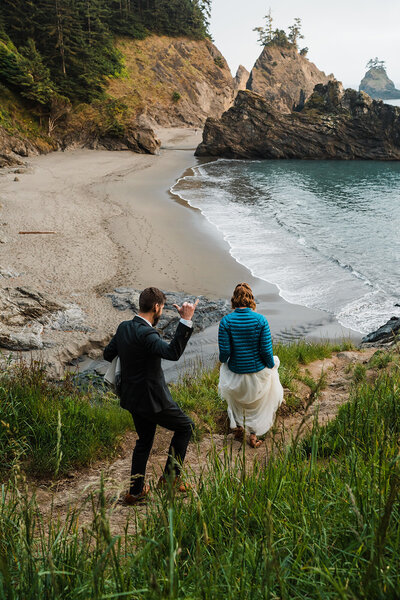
column 320, row 519
column 53, row 427
column 50, row 428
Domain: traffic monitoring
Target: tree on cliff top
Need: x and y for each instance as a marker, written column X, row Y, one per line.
column 375, row 63
column 267, row 36
column 295, row 32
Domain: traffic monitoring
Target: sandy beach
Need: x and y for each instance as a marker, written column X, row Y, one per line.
column 115, row 224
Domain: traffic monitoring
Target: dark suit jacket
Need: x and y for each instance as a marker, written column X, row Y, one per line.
column 140, row 349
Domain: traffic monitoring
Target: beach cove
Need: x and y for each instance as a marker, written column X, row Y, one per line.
column 116, row 224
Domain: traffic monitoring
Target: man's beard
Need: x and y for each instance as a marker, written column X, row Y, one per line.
column 156, row 318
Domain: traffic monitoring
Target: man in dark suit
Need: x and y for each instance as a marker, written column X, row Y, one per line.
column 144, row 391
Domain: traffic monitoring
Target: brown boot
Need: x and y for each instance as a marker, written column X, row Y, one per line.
column 177, row 484
column 131, row 499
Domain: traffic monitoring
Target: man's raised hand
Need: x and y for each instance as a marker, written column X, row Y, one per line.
column 187, row 309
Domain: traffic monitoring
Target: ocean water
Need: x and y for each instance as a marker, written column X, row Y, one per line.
column 327, row 233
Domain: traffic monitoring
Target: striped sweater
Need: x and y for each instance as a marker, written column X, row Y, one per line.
column 244, row 341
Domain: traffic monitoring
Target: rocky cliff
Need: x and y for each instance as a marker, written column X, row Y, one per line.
column 334, row 124
column 170, row 82
column 173, row 82
column 241, row 78
column 377, row 84
column 284, row 77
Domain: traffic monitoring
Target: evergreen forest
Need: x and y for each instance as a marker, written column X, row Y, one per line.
column 54, row 51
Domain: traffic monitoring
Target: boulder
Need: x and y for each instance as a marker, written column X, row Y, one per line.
column 208, row 311
column 334, row 124
column 386, row 334
column 26, row 315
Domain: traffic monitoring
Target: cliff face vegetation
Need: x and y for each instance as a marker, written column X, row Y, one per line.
column 173, row 81
column 284, row 77
column 334, row 124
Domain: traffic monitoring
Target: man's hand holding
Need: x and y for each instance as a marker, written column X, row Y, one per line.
column 186, row 311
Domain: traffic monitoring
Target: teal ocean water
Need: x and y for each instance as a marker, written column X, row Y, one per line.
column 327, row 233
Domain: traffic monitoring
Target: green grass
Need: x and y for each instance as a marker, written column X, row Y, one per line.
column 197, row 393
column 303, row 524
column 52, row 427
column 298, row 353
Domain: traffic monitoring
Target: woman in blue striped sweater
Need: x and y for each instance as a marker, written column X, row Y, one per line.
column 249, row 380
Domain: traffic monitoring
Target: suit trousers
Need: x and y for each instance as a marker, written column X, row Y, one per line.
column 175, row 420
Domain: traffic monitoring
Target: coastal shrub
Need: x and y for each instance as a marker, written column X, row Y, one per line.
column 359, row 373
column 381, row 359
column 297, row 525
column 51, row 427
column 176, row 96
column 219, row 61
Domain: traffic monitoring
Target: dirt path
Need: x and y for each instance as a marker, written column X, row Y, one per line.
column 75, row 491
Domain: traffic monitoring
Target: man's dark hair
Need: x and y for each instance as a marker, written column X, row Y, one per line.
column 149, row 298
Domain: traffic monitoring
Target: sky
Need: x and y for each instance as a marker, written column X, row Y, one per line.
column 341, row 36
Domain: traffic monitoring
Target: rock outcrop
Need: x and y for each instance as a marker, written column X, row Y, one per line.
column 388, row 334
column 15, row 148
column 26, row 315
column 208, row 311
column 173, row 82
column 285, row 78
column 377, row 84
column 334, row 124
column 241, row 78
column 138, row 139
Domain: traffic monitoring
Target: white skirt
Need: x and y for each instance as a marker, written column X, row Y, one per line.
column 252, row 398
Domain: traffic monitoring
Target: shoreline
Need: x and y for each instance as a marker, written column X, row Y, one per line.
column 118, row 225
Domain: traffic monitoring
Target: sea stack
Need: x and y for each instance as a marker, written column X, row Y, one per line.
column 285, row 77
column 377, row 84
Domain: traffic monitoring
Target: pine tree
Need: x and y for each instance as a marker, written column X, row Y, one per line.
column 265, row 34
column 295, row 32
column 18, row 19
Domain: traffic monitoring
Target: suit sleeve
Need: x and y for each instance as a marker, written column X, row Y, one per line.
column 154, row 345
column 224, row 342
column 111, row 351
column 266, row 352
